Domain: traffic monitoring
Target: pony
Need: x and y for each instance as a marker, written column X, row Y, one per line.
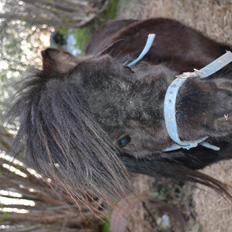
column 88, row 121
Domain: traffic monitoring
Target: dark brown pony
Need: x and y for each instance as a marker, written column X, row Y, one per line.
column 87, row 121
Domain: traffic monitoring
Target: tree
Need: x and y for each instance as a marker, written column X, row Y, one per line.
column 23, row 29
column 65, row 13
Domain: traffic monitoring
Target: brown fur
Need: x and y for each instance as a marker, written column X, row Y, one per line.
column 75, row 111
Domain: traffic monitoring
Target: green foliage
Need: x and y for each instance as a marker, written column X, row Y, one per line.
column 111, row 12
column 160, row 194
column 83, row 35
column 64, row 32
column 5, row 216
column 106, row 226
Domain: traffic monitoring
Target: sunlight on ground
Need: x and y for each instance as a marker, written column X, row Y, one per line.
column 14, row 210
column 14, row 170
column 3, row 65
column 1, row 6
column 9, row 158
column 10, row 194
column 8, row 198
column 14, row 201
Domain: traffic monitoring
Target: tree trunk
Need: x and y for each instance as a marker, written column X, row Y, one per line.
column 66, row 13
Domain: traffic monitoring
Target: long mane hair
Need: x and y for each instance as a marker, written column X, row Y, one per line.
column 61, row 139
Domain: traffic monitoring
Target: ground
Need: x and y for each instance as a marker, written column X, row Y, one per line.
column 206, row 211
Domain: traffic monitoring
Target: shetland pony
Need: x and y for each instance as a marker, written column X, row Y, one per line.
column 87, row 121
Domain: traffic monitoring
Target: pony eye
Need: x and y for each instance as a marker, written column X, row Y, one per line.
column 125, row 140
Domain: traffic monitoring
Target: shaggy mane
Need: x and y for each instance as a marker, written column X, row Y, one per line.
column 61, row 138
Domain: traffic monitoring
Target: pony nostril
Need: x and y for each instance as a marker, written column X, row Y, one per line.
column 125, row 140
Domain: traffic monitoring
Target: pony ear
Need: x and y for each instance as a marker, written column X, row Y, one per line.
column 57, row 61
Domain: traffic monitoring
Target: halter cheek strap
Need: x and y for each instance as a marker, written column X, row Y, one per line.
column 146, row 49
column 172, row 92
column 170, row 104
column 215, row 65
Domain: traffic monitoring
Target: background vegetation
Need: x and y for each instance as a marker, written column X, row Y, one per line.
column 27, row 201
column 25, row 28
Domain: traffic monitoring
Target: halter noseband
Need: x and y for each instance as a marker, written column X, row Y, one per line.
column 172, row 92
column 170, row 104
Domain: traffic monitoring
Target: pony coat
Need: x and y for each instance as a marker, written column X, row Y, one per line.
column 74, row 112
column 179, row 53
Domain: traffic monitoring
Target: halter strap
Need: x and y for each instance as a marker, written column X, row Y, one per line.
column 170, row 104
column 146, row 49
column 215, row 65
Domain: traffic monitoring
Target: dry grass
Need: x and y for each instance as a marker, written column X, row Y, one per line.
column 213, row 18
column 213, row 212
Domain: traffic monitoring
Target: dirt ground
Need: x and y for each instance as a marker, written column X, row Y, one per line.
column 209, row 211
